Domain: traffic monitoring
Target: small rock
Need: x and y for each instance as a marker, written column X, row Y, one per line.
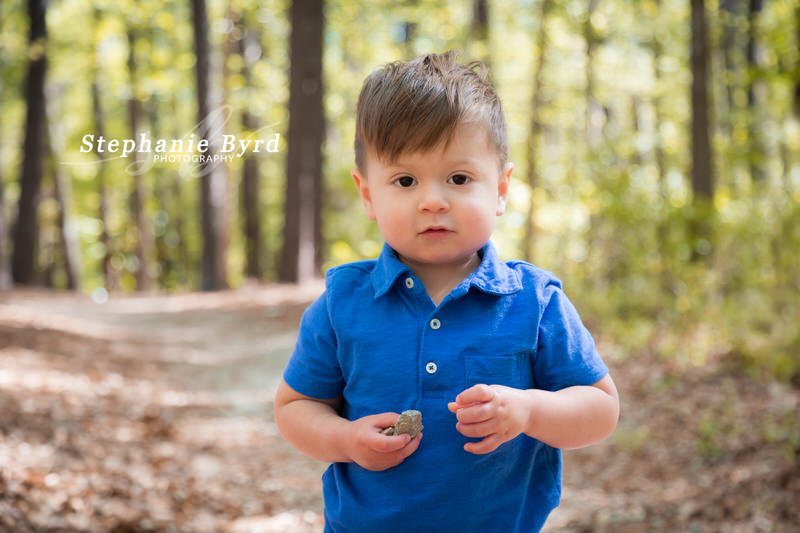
column 410, row 422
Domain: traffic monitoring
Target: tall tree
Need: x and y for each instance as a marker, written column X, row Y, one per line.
column 69, row 240
column 535, row 130
column 593, row 107
column 99, row 129
column 479, row 30
column 164, row 255
column 410, row 30
column 796, row 105
column 755, row 91
column 702, row 161
column 655, row 45
column 250, row 50
column 179, row 239
column 138, row 194
column 729, row 14
column 26, row 227
column 213, row 189
column 702, row 167
column 5, row 273
column 302, row 232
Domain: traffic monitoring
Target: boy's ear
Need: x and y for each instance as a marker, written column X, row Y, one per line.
column 363, row 190
column 503, row 183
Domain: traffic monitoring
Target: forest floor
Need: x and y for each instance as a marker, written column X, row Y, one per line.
column 154, row 413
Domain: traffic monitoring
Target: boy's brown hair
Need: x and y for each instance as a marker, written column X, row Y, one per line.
column 412, row 106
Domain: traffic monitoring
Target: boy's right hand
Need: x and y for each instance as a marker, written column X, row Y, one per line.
column 374, row 451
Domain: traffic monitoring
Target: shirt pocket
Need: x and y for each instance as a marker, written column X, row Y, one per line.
column 494, row 369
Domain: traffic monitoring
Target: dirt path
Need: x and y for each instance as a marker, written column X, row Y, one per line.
column 150, row 414
column 154, row 414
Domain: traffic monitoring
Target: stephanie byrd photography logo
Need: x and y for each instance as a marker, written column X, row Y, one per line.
column 218, row 147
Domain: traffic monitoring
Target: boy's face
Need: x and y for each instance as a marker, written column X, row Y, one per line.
column 437, row 207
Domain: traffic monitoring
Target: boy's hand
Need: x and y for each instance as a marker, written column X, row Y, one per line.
column 370, row 449
column 495, row 412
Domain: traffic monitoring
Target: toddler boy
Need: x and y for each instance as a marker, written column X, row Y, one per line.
column 492, row 353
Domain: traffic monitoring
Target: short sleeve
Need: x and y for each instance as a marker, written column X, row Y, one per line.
column 313, row 369
column 565, row 354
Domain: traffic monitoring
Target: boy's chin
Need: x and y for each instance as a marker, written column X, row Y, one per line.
column 437, row 259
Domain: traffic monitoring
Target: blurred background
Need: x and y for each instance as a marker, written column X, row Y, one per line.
column 657, row 153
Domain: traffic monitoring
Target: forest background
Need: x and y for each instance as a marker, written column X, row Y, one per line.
column 656, row 144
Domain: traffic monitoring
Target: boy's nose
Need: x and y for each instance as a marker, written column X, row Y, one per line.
column 433, row 200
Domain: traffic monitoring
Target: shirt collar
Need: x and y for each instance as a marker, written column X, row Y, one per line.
column 492, row 276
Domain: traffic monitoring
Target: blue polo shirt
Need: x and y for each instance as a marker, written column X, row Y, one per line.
column 376, row 339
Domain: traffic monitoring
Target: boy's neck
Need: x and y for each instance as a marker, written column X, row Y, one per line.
column 440, row 279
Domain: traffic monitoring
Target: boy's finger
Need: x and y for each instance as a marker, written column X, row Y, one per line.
column 475, row 413
column 481, row 429
column 384, row 420
column 477, row 393
column 455, row 406
column 412, row 446
column 387, row 444
column 489, row 444
column 397, row 457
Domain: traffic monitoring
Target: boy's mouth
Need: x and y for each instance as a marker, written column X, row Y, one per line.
column 434, row 231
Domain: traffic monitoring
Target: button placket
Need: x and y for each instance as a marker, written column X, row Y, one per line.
column 434, row 382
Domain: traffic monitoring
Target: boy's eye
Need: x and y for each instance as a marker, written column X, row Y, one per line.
column 459, row 179
column 405, row 181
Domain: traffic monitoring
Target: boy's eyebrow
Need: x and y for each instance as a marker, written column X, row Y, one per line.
column 400, row 165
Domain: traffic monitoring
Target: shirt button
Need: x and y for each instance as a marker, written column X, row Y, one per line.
column 430, row 368
column 409, row 283
column 435, row 324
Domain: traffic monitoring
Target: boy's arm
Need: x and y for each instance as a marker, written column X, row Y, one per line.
column 573, row 417
column 314, row 427
column 303, row 420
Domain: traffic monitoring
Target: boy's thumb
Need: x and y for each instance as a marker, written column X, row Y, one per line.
column 384, row 420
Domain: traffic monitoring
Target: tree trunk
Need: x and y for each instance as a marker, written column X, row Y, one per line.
column 534, row 133
column 659, row 157
column 301, row 254
column 797, row 75
column 144, row 234
column 700, row 222
column 213, row 189
column 162, row 222
column 410, row 30
column 479, row 31
column 5, row 272
column 787, row 167
column 728, row 45
column 69, row 239
column 99, row 129
column 226, row 111
column 183, row 267
column 755, row 94
column 702, row 168
column 26, row 227
column 594, row 111
column 250, row 50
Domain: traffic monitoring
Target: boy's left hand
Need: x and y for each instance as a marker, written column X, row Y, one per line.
column 495, row 412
